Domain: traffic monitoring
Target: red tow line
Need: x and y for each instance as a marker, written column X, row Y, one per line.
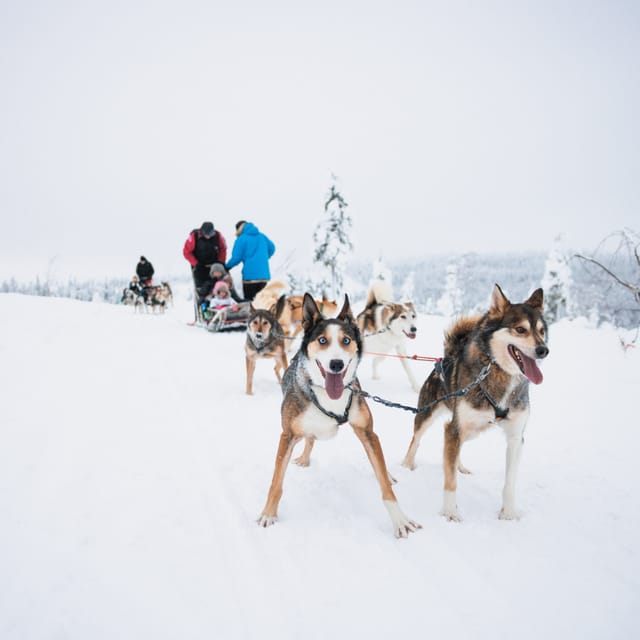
column 413, row 357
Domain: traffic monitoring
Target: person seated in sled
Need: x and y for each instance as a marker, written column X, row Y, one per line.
column 221, row 297
column 219, row 273
column 134, row 286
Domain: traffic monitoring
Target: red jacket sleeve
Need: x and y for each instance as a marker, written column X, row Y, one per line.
column 222, row 249
column 189, row 246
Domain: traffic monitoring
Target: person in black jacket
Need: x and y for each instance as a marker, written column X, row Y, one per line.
column 144, row 271
column 204, row 247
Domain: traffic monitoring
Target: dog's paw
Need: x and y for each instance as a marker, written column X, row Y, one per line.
column 451, row 516
column 402, row 526
column 463, row 469
column 407, row 527
column 302, row 461
column 408, row 464
column 267, row 520
column 508, row 514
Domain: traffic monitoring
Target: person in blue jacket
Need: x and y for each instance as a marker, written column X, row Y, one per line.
column 253, row 249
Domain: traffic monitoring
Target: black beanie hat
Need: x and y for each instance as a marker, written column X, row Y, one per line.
column 207, row 229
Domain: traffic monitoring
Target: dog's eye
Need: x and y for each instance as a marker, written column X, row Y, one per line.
column 521, row 330
column 322, row 340
column 346, row 340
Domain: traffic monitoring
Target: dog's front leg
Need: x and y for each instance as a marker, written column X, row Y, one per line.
column 452, row 446
column 281, row 365
column 375, row 365
column 401, row 351
column 304, row 460
column 402, row 525
column 269, row 514
column 251, row 367
column 514, row 452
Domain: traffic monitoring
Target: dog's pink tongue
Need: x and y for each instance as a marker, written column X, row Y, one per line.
column 531, row 369
column 334, row 386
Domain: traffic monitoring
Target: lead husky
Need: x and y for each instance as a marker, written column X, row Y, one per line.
column 504, row 344
column 318, row 398
column 386, row 326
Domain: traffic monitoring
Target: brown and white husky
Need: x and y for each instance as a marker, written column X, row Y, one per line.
column 320, row 394
column 495, row 357
column 386, row 326
column 265, row 340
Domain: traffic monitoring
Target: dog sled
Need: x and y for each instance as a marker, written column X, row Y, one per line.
column 217, row 306
column 231, row 318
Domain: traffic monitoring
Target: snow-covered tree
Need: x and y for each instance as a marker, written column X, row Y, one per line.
column 450, row 303
column 382, row 274
column 407, row 292
column 557, row 283
column 332, row 244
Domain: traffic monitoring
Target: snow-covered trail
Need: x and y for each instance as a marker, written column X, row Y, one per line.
column 133, row 467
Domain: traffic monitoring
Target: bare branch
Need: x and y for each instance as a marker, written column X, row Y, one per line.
column 627, row 285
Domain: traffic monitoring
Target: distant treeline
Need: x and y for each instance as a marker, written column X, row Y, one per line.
column 593, row 294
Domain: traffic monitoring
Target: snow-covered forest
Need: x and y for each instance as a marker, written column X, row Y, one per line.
column 439, row 284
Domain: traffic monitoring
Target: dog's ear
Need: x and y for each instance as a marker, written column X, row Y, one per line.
column 499, row 301
column 277, row 309
column 345, row 313
column 310, row 313
column 536, row 300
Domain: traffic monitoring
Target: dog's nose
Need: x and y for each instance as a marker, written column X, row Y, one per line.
column 542, row 351
column 336, row 366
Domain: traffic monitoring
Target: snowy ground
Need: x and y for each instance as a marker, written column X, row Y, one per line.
column 133, row 467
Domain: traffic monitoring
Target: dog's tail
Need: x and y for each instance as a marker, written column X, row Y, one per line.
column 458, row 335
column 268, row 295
column 379, row 291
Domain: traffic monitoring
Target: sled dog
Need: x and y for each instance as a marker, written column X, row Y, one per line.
column 264, row 340
column 494, row 356
column 292, row 316
column 386, row 326
column 269, row 294
column 318, row 397
column 134, row 299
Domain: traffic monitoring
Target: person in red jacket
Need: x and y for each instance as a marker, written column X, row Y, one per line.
column 204, row 247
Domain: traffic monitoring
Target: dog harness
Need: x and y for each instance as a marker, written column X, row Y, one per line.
column 264, row 345
column 339, row 419
column 500, row 412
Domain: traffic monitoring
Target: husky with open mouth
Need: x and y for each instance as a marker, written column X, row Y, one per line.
column 320, row 394
column 494, row 358
column 386, row 326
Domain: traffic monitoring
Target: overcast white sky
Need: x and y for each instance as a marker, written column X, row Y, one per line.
column 453, row 126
